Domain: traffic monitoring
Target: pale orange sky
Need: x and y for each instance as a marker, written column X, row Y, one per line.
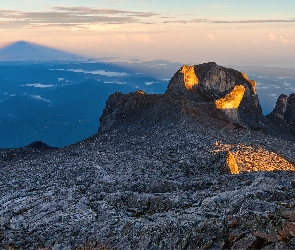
column 228, row 32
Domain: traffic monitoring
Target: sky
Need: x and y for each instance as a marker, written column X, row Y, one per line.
column 229, row 32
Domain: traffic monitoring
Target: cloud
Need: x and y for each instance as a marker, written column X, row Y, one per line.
column 284, row 40
column 188, row 21
column 83, row 18
column 99, row 72
column 71, row 16
column 231, row 21
column 92, row 11
column 141, row 38
column 39, row 98
column 39, row 85
column 258, row 21
column 272, row 37
column 211, row 37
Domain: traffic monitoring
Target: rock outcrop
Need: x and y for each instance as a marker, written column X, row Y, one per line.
column 39, row 145
column 284, row 111
column 210, row 82
column 194, row 92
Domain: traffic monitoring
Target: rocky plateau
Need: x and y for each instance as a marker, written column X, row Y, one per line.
column 198, row 167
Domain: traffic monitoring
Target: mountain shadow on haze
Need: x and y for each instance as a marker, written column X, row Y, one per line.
column 26, row 51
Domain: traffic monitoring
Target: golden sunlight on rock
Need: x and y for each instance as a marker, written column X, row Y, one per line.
column 245, row 76
column 241, row 158
column 231, row 163
column 252, row 82
column 251, row 160
column 232, row 100
column 190, row 78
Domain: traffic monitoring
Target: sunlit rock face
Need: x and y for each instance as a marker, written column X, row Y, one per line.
column 244, row 158
column 232, row 163
column 184, row 83
column 190, row 78
column 232, row 100
column 252, row 82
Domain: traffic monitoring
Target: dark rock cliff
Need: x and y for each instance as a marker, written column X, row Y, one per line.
column 284, row 112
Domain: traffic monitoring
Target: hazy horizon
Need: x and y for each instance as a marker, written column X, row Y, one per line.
column 229, row 33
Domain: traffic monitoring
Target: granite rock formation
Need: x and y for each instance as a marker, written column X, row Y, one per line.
column 284, row 111
column 167, row 171
column 195, row 92
column 213, row 82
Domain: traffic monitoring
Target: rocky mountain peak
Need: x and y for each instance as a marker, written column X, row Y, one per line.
column 209, row 82
column 226, row 93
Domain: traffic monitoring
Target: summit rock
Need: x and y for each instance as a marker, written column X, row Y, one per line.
column 207, row 92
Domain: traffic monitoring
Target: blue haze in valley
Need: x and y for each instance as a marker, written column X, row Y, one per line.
column 59, row 102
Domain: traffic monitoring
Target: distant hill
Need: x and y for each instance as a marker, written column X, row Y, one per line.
column 25, row 51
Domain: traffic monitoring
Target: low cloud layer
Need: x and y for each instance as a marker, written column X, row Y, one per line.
column 231, row 21
column 71, row 16
column 273, row 38
column 79, row 16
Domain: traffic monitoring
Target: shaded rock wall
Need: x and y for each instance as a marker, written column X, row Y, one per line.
column 284, row 111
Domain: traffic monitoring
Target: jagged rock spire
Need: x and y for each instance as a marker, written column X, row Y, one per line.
column 284, row 111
